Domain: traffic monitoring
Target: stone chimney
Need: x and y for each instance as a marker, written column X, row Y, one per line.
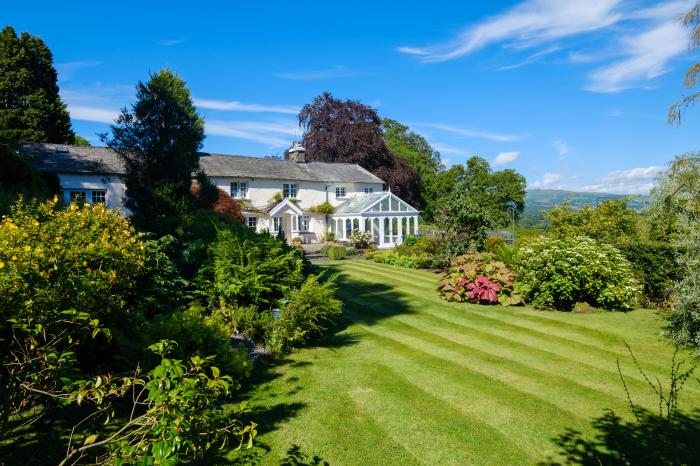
column 297, row 153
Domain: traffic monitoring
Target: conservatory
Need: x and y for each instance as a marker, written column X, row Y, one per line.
column 389, row 219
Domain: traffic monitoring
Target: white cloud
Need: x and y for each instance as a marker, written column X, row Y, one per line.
column 531, row 59
column 632, row 181
column 471, row 133
column 449, row 149
column 236, row 106
column 647, row 56
column 85, row 113
column 527, row 24
column 561, row 147
column 171, row 42
column 68, row 69
column 549, row 180
column 262, row 132
column 504, row 158
column 337, row 71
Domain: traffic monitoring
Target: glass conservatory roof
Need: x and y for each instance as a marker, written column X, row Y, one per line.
column 376, row 202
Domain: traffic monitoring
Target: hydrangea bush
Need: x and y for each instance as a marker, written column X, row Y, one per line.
column 558, row 273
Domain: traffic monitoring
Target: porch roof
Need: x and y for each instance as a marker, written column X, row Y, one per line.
column 374, row 202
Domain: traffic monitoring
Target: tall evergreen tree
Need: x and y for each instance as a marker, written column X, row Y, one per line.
column 158, row 140
column 30, row 106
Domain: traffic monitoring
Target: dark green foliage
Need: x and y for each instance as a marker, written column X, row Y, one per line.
column 417, row 252
column 493, row 243
column 18, row 177
column 158, row 139
column 656, row 268
column 309, row 311
column 200, row 334
column 31, row 109
column 336, row 252
column 611, row 221
column 256, row 271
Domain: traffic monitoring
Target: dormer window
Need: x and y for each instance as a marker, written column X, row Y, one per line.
column 239, row 189
column 369, row 190
column 340, row 192
column 290, row 190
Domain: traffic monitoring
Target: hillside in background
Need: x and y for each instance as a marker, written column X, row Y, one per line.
column 538, row 200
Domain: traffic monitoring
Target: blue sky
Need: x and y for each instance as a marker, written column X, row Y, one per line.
column 573, row 94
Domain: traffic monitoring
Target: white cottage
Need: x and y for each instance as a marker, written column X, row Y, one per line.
column 275, row 194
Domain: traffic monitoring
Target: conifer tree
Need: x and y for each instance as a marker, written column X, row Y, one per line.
column 30, row 106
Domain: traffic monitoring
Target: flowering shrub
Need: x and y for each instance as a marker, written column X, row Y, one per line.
column 562, row 272
column 481, row 279
column 360, row 239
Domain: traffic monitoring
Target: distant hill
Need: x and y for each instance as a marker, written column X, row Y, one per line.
column 538, row 200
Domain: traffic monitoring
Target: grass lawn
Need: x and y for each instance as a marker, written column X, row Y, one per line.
column 411, row 379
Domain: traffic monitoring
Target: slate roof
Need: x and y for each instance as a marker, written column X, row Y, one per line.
column 101, row 160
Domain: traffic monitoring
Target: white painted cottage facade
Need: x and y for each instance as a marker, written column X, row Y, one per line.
column 94, row 174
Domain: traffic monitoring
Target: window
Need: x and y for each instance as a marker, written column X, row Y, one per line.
column 340, row 191
column 290, row 190
column 369, row 190
column 78, row 196
column 276, row 222
column 252, row 222
column 304, row 223
column 239, row 189
column 99, row 196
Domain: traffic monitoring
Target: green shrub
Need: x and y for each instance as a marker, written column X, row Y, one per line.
column 203, row 335
column 506, row 254
column 307, row 313
column 655, row 267
column 493, row 243
column 480, row 278
column 328, row 236
column 325, row 208
column 562, row 272
column 336, row 252
column 256, row 271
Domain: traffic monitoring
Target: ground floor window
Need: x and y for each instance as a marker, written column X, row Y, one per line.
column 78, row 196
column 86, row 196
column 99, row 196
column 252, row 222
column 304, row 223
column 276, row 223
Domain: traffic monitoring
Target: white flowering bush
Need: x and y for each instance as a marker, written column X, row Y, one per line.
column 360, row 239
column 558, row 273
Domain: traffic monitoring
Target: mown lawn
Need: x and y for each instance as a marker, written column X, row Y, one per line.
column 411, row 379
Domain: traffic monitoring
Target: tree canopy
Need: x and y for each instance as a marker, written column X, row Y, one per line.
column 692, row 21
column 158, row 139
column 348, row 131
column 30, row 106
column 610, row 221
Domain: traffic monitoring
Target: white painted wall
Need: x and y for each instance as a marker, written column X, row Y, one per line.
column 114, row 186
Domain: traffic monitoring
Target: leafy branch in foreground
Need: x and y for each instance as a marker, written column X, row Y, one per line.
column 176, row 412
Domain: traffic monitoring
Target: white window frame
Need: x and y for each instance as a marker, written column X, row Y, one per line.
column 102, row 192
column 290, row 190
column 252, row 222
column 305, row 223
column 74, row 194
column 276, row 224
column 340, row 192
column 369, row 190
column 239, row 189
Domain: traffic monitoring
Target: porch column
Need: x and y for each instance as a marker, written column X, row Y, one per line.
column 415, row 225
column 399, row 233
column 381, row 231
column 362, row 224
column 391, row 228
column 345, row 228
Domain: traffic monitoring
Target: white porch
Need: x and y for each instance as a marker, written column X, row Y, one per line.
column 389, row 219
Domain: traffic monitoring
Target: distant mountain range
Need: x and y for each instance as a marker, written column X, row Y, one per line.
column 538, row 200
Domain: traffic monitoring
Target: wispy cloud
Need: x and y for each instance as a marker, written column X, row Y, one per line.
column 171, row 42
column 96, row 114
column 633, row 181
column 335, row 72
column 504, row 158
column 647, row 56
column 561, row 147
column 549, row 180
column 449, row 149
column 235, row 106
column 529, row 23
column 531, row 59
column 471, row 133
column 264, row 133
column 67, row 70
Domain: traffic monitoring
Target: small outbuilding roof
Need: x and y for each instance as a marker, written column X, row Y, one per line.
column 375, row 202
column 102, row 160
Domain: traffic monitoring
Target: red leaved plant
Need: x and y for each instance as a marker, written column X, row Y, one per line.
column 483, row 291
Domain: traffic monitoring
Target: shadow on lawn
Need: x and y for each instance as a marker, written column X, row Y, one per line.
column 650, row 440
